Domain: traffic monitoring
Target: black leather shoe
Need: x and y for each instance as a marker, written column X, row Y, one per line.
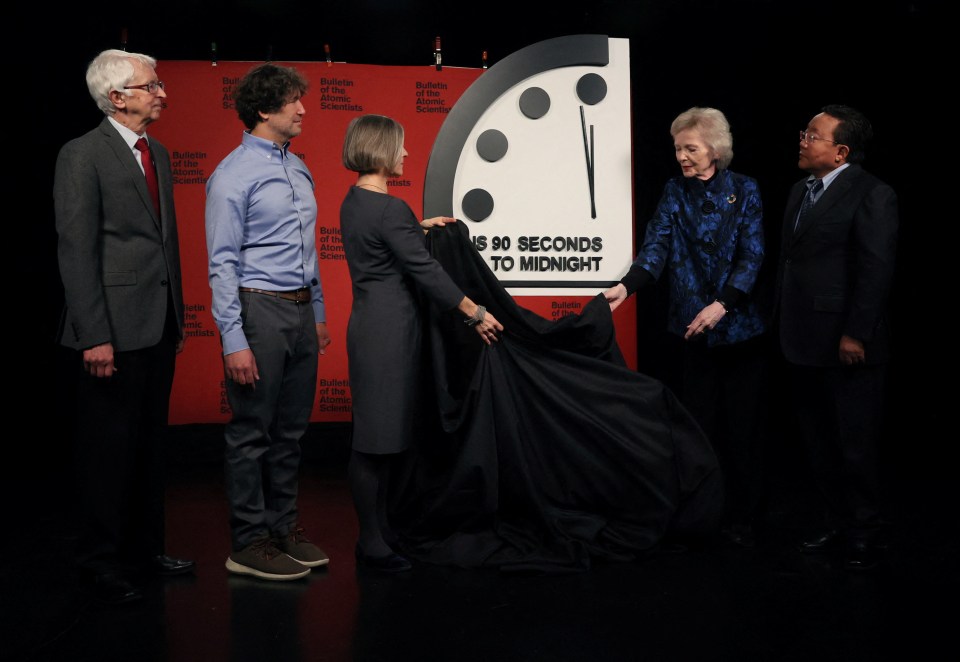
column 862, row 555
column 167, row 565
column 820, row 543
column 388, row 563
column 114, row 589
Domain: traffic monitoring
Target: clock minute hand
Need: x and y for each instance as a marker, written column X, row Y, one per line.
column 593, row 186
column 588, row 152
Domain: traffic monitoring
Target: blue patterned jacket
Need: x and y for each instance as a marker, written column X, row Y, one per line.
column 711, row 234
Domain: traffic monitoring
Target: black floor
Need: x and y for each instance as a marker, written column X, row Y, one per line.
column 715, row 603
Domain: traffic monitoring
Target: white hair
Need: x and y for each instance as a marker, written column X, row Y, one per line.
column 713, row 128
column 110, row 71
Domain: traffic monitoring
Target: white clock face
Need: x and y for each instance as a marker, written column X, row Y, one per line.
column 543, row 167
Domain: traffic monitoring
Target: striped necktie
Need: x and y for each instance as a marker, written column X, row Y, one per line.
column 813, row 189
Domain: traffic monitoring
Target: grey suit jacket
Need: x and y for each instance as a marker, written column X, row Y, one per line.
column 119, row 262
column 836, row 270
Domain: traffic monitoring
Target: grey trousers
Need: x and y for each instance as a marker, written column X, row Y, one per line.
column 262, row 458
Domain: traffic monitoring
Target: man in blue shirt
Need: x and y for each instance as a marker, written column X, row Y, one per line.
column 268, row 305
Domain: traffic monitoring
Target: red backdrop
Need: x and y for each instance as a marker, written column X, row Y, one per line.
column 199, row 127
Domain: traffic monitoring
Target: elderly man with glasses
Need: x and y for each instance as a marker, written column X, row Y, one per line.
column 119, row 260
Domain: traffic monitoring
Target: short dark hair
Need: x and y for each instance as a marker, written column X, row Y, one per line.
column 854, row 131
column 266, row 89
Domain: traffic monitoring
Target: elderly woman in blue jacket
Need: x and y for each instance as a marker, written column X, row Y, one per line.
column 707, row 236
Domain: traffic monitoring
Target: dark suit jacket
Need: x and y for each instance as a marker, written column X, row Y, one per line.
column 119, row 262
column 835, row 271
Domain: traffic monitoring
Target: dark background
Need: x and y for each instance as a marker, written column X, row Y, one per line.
column 768, row 65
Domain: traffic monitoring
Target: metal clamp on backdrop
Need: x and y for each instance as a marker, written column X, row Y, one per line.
column 326, row 55
column 437, row 59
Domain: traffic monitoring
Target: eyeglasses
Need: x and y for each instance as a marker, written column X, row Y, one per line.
column 151, row 87
column 808, row 137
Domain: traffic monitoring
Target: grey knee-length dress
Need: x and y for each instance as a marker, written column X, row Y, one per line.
column 388, row 262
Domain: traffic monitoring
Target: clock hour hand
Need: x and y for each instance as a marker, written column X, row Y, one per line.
column 588, row 152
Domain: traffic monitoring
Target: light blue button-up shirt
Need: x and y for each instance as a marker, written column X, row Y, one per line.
column 261, row 231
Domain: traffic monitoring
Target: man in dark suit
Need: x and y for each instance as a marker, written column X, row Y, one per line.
column 120, row 264
column 835, row 272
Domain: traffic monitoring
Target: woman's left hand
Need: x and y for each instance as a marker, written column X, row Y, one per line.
column 436, row 222
column 705, row 320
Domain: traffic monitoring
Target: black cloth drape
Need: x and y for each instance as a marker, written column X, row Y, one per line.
column 546, row 451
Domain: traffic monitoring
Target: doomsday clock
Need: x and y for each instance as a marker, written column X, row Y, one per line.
column 536, row 158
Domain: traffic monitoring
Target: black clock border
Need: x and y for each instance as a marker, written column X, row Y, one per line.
column 569, row 51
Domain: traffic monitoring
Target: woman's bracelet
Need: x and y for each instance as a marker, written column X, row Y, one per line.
column 477, row 317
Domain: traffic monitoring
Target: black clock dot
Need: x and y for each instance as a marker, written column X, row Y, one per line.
column 534, row 102
column 492, row 145
column 477, row 204
column 591, row 88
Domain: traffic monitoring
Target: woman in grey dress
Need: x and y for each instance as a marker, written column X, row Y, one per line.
column 389, row 266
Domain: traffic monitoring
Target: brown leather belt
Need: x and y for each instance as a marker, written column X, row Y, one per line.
column 299, row 296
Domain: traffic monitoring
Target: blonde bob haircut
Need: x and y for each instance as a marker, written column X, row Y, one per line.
column 713, row 128
column 373, row 142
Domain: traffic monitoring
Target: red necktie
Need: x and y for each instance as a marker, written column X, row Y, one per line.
column 150, row 172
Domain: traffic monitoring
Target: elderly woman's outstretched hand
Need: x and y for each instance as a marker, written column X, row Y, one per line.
column 616, row 295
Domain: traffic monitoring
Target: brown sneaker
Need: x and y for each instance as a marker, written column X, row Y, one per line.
column 296, row 545
column 262, row 559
